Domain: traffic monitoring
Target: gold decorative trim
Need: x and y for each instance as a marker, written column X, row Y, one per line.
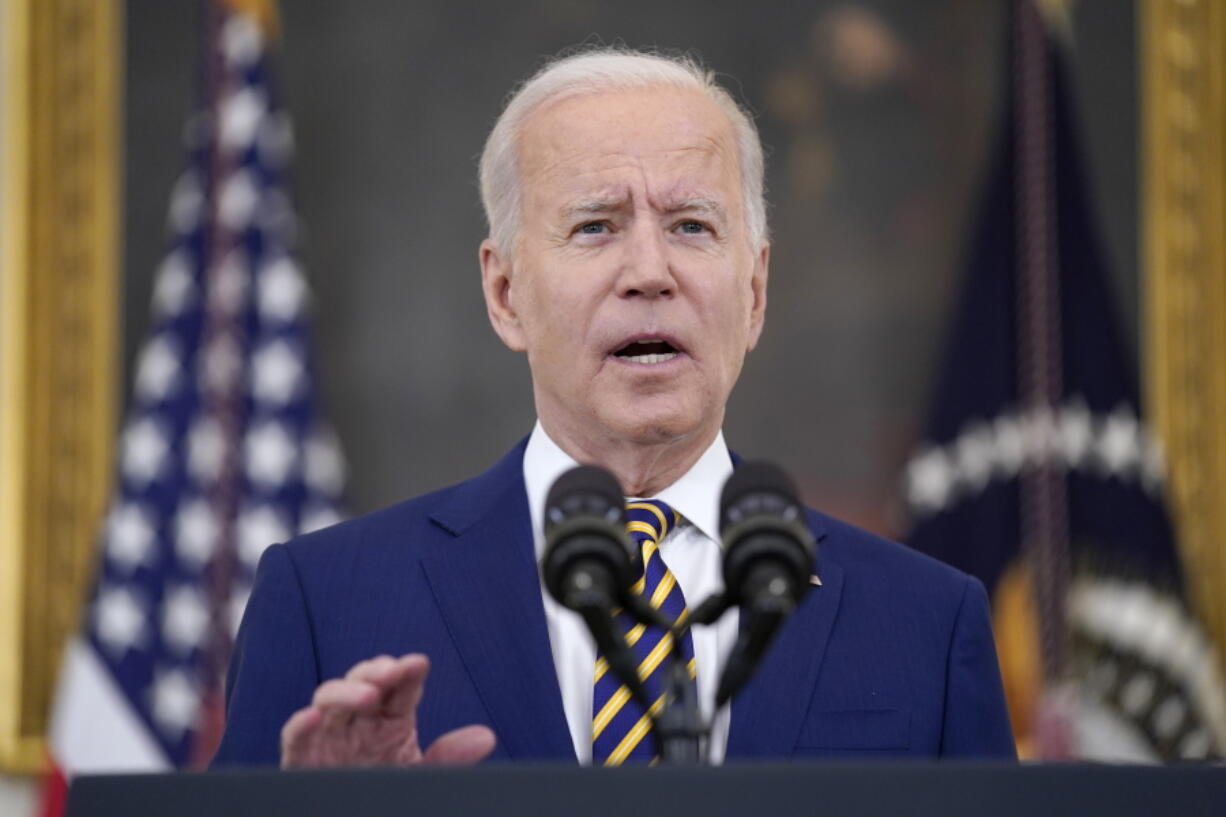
column 58, row 322
column 1184, row 182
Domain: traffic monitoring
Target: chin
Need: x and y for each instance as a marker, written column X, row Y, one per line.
column 653, row 429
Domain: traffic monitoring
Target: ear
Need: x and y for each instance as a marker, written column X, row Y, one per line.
column 496, row 285
column 757, row 286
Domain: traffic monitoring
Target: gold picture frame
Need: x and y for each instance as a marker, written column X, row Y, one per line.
column 1183, row 174
column 59, row 211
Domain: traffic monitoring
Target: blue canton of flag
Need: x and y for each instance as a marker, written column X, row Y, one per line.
column 223, row 452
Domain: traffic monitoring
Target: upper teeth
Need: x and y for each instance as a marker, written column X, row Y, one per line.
column 653, row 358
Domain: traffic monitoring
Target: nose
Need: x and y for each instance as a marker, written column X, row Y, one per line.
column 646, row 271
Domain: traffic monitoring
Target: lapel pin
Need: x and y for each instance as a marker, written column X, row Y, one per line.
column 815, row 581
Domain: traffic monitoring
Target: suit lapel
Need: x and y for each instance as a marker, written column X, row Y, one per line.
column 486, row 585
column 768, row 713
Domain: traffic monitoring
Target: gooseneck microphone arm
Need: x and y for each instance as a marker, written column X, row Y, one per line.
column 768, row 558
column 585, row 589
column 762, row 621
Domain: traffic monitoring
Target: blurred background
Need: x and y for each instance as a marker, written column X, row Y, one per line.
column 876, row 119
column 885, row 124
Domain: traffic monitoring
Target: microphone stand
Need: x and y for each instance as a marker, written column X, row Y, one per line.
column 679, row 728
column 681, row 733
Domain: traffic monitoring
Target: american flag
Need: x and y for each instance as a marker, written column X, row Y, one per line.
column 223, row 451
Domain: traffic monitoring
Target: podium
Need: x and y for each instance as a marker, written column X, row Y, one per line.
column 745, row 790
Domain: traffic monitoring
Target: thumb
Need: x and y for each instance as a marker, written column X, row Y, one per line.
column 462, row 747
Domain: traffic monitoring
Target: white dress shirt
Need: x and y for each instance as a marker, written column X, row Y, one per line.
column 692, row 553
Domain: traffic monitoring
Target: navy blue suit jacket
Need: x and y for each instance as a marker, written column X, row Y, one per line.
column 891, row 656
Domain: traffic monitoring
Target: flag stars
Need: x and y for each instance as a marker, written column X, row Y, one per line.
column 241, row 113
column 270, row 454
column 1119, row 444
column 258, row 527
column 185, row 618
column 237, row 200
column 196, row 533
column 1070, row 438
column 119, row 620
column 1076, row 433
column 130, row 536
column 276, row 373
column 174, row 287
column 144, row 449
column 1010, row 444
column 241, row 41
column 157, row 373
column 930, row 479
column 282, row 290
column 975, row 452
column 176, row 703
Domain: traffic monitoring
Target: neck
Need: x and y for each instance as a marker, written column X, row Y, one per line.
column 643, row 468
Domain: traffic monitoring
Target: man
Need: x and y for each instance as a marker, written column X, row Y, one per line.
column 628, row 259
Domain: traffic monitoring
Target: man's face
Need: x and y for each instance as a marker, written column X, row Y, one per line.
column 634, row 288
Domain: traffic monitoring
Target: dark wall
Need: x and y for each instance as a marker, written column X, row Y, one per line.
column 875, row 116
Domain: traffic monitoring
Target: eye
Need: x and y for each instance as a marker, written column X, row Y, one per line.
column 692, row 227
column 593, row 228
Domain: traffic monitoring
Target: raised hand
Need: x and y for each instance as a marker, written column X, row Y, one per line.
column 369, row 718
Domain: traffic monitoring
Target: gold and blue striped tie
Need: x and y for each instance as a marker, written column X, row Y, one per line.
column 620, row 727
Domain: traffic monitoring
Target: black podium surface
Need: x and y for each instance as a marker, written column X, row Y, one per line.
column 845, row 790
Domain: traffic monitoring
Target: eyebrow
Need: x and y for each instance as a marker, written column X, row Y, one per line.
column 603, row 204
column 695, row 204
column 607, row 204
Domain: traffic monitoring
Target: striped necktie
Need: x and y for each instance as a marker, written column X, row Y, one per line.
column 620, row 727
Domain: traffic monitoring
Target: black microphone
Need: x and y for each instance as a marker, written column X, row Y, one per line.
column 590, row 564
column 588, row 557
column 768, row 559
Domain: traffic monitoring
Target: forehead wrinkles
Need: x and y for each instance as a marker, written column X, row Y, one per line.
column 595, row 142
column 667, row 183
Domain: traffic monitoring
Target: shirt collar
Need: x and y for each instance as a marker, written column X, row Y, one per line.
column 695, row 495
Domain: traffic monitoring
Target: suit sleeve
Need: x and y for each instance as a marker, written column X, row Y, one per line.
column 274, row 671
column 976, row 718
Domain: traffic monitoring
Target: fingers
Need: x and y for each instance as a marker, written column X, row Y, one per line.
column 401, row 681
column 462, row 747
column 368, row 716
column 406, row 685
column 385, row 669
column 297, row 736
column 340, row 695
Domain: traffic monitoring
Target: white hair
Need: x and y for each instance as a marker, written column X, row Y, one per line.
column 607, row 69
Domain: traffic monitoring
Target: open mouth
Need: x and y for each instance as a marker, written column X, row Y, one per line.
column 647, row 350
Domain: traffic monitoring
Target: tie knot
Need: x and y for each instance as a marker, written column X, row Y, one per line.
column 650, row 519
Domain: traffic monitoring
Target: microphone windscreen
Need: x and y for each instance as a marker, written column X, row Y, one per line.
column 756, row 487
column 583, row 490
